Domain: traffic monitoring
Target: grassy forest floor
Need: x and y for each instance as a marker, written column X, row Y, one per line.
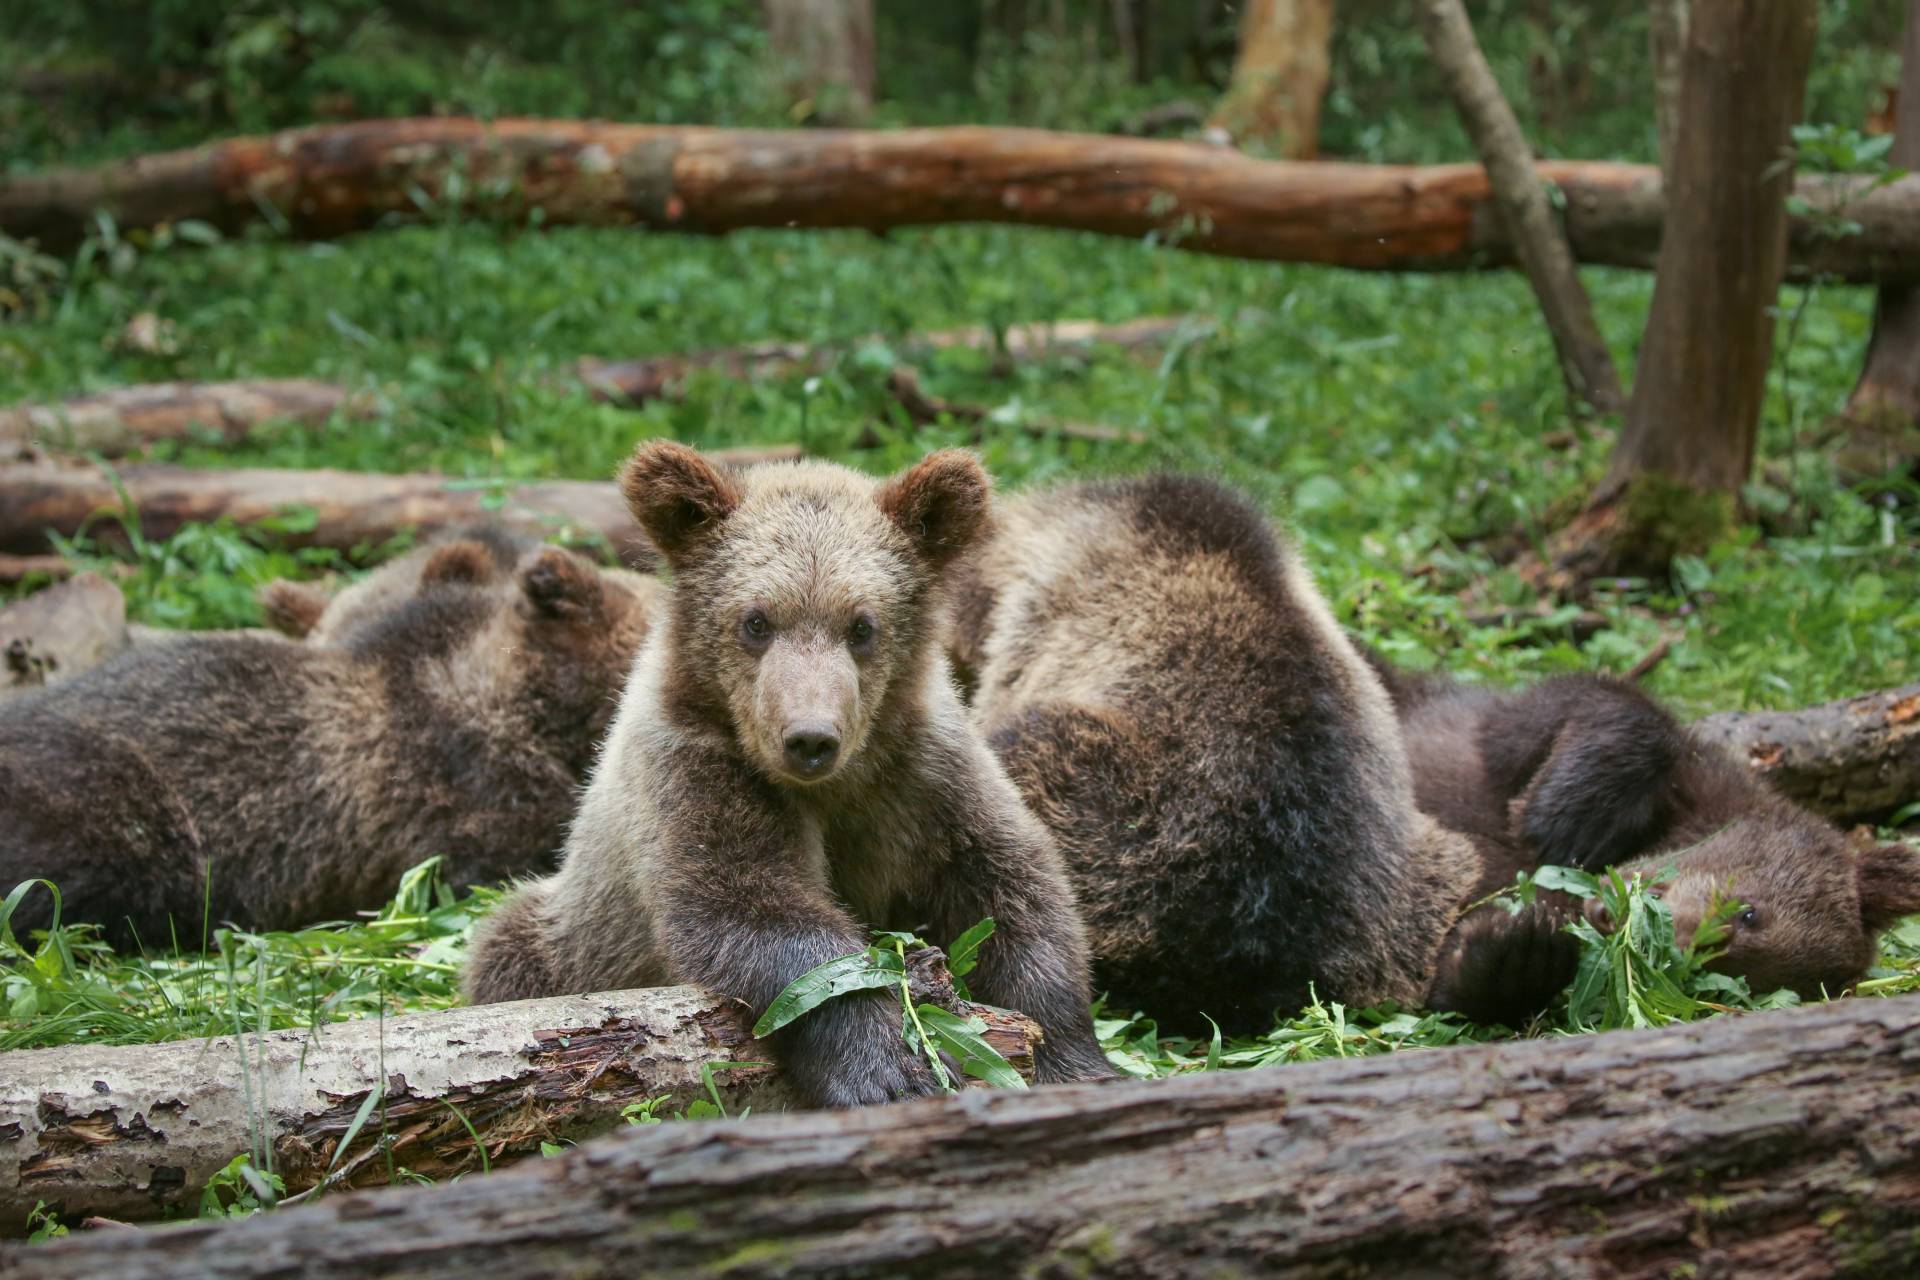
column 1406, row 427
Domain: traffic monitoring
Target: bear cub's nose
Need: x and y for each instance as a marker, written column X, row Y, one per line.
column 810, row 750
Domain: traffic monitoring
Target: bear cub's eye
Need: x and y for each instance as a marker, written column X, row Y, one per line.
column 1750, row 918
column 755, row 628
column 860, row 634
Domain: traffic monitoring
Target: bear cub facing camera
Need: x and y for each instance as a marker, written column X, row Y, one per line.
column 791, row 766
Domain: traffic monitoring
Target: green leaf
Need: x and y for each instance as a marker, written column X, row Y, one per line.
column 1213, row 1046
column 1581, row 884
column 962, row 1038
column 820, row 984
column 964, row 954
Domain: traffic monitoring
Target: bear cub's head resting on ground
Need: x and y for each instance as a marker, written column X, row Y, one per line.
column 791, row 767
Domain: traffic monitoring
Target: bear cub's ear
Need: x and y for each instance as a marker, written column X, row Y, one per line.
column 462, row 562
column 1889, row 884
column 292, row 608
column 676, row 494
column 942, row 503
column 559, row 584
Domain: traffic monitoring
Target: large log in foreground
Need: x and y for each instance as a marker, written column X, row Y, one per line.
column 331, row 180
column 1769, row 1144
column 134, row 1133
column 351, row 509
column 1855, row 760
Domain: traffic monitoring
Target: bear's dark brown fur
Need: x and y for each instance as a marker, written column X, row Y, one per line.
column 1590, row 772
column 1222, row 770
column 791, row 766
column 458, row 718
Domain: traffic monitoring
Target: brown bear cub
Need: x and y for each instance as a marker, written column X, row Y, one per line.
column 1589, row 772
column 791, row 766
column 245, row 779
column 1158, row 673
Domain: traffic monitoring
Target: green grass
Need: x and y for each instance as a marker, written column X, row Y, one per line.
column 1403, row 424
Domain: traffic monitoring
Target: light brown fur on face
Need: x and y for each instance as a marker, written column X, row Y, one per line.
column 721, row 842
column 1161, row 678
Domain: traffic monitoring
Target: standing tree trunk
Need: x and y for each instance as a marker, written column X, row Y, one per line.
column 1883, row 414
column 1537, row 238
column 1279, row 77
column 1666, row 46
column 1687, row 444
column 824, row 49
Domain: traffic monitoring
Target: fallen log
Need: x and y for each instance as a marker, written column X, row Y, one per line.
column 652, row 377
column 923, row 407
column 1855, row 760
column 350, row 509
column 57, row 633
column 1767, row 1144
column 123, row 419
column 331, row 180
column 134, row 1133
column 15, row 569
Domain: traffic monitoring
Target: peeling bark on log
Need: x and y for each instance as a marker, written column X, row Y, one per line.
column 352, row 509
column 134, row 1133
column 1524, row 208
column 332, row 180
column 1855, row 760
column 56, row 634
column 121, row 420
column 1767, row 1144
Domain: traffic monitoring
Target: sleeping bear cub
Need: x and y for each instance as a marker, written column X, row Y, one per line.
column 790, row 767
column 1588, row 771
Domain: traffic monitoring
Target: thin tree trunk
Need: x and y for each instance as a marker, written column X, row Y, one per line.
column 1883, row 413
column 1530, row 220
column 350, row 509
column 57, row 633
column 1666, row 49
column 134, row 1133
column 332, row 180
column 824, row 52
column 1780, row 1144
column 123, row 419
column 1687, row 443
column 1279, row 77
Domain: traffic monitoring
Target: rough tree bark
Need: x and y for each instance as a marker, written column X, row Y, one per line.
column 134, row 1133
column 1687, row 443
column 332, row 180
column 1882, row 417
column 60, row 632
column 1531, row 223
column 823, row 50
column 1279, row 77
column 351, row 508
column 1855, row 760
column 1666, row 49
column 121, row 420
column 1767, row 1144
